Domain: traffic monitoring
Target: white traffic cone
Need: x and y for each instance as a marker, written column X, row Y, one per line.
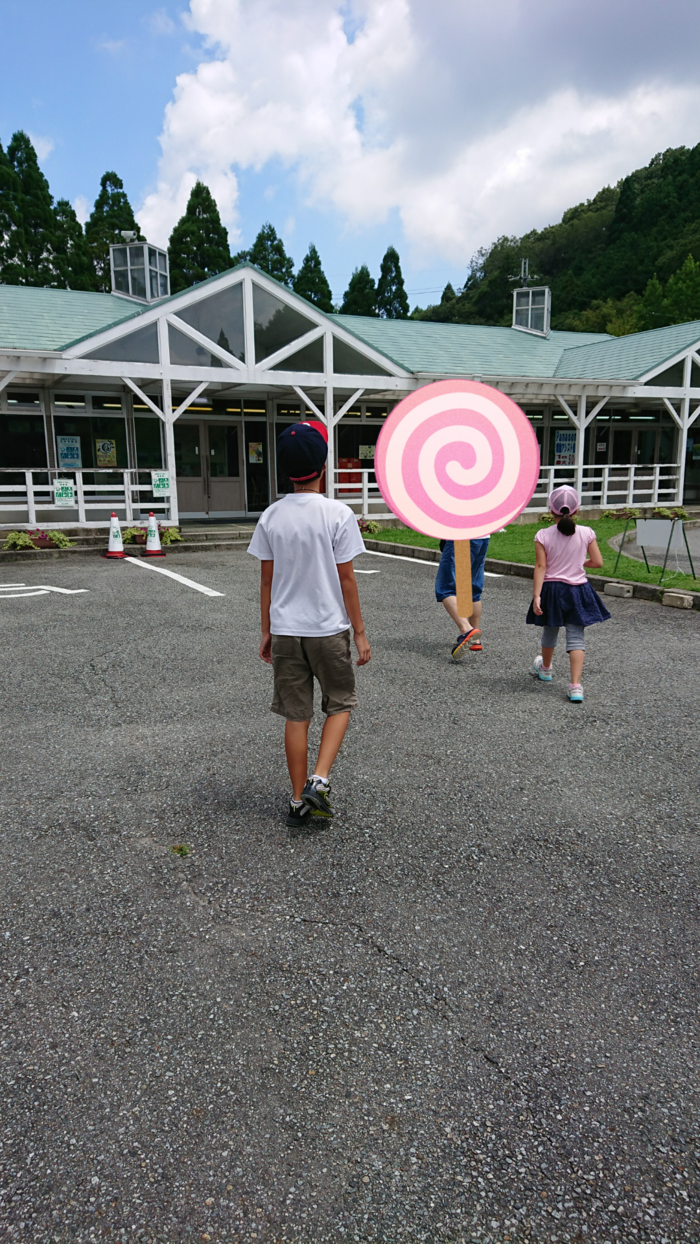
column 153, row 548
column 115, row 548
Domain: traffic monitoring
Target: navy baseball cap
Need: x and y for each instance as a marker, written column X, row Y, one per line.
column 301, row 452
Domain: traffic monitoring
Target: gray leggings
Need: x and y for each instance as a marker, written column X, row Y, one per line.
column 574, row 637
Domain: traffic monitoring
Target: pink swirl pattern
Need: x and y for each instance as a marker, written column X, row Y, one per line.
column 457, row 459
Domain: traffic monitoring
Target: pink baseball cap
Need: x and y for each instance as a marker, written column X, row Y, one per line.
column 564, row 498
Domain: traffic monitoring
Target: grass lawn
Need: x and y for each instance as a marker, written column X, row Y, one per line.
column 517, row 544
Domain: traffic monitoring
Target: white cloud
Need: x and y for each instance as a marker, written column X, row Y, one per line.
column 386, row 124
column 113, row 46
column 160, row 23
column 42, row 145
column 81, row 207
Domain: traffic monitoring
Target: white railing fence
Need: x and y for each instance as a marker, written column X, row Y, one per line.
column 612, row 486
column 599, row 487
column 130, row 492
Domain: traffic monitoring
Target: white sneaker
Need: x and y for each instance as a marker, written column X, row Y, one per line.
column 538, row 672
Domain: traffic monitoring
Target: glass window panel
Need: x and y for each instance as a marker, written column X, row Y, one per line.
column 187, row 457
column 349, row 362
column 136, row 257
column 310, row 358
column 153, row 278
column 223, row 451
column 70, row 401
column 375, row 412
column 284, row 484
column 109, row 402
column 121, row 281
column 537, row 319
column 220, row 318
column 162, row 261
column 22, row 441
column 184, row 352
column 163, row 286
column 138, row 282
column 105, row 429
column 91, row 430
column 228, row 407
column 138, row 347
column 538, row 297
column 288, row 411
column 149, row 454
column 695, row 376
column 255, row 457
column 119, row 257
column 276, row 324
column 17, row 397
column 522, row 318
column 152, row 257
column 522, row 298
column 672, row 378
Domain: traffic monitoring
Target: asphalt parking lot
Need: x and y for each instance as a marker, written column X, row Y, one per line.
column 465, row 1011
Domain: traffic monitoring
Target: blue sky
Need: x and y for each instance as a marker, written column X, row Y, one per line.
column 353, row 124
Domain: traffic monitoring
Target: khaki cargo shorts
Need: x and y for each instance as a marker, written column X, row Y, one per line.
column 296, row 660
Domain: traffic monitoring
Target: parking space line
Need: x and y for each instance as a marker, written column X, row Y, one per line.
column 490, row 574
column 42, row 591
column 198, row 587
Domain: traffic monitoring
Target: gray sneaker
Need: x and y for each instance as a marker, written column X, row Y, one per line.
column 537, row 671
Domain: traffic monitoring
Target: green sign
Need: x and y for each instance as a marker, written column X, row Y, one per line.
column 160, row 483
column 64, row 492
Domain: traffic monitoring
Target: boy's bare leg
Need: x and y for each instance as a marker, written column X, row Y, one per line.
column 333, row 734
column 463, row 624
column 296, row 736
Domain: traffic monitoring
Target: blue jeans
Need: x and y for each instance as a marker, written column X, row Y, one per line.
column 445, row 582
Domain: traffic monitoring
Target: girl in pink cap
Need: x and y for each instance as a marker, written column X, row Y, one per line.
column 561, row 593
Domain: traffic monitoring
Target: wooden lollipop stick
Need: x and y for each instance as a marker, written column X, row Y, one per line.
column 463, row 575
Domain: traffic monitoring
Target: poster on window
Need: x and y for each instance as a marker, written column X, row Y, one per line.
column 564, row 448
column 160, row 483
column 367, row 451
column 255, row 451
column 105, row 453
column 69, row 455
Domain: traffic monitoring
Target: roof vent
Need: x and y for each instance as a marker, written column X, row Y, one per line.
column 139, row 271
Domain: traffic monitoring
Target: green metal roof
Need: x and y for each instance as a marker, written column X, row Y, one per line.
column 465, row 349
column 50, row 319
column 53, row 319
column 627, row 358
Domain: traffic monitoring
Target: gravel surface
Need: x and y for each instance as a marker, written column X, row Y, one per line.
column 466, row 1010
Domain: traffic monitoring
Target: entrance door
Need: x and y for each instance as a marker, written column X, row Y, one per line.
column 188, row 468
column 209, row 480
column 224, row 482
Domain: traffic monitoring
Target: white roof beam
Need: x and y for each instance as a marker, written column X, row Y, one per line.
column 7, row 379
column 143, row 397
column 206, row 342
column 286, row 351
column 305, row 398
column 672, row 412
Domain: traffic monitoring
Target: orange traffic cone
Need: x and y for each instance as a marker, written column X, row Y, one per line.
column 153, row 548
column 115, row 548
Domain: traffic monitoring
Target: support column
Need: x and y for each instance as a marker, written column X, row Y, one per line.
column 330, row 424
column 685, row 423
column 164, row 346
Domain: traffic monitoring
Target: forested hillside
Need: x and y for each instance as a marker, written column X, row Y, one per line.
column 617, row 263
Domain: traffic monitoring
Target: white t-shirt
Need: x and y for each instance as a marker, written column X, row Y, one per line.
column 307, row 536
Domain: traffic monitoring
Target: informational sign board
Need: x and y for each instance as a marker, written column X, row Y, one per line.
column 255, row 451
column 160, row 483
column 105, row 453
column 367, row 451
column 655, row 533
column 69, row 455
column 64, row 489
column 564, row 448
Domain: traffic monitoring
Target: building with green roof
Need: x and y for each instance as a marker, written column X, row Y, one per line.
column 139, row 400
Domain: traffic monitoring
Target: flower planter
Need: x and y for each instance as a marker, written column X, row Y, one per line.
column 42, row 542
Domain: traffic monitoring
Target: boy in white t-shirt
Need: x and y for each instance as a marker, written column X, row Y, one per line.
column 308, row 601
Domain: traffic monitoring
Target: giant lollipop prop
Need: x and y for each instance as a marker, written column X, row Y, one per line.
column 457, row 460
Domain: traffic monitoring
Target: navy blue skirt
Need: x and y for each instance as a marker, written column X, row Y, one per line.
column 568, row 602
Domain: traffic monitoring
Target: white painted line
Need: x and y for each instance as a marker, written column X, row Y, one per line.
column 198, row 587
column 420, row 561
column 21, row 595
column 417, row 561
column 64, row 591
column 4, row 585
column 368, row 572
